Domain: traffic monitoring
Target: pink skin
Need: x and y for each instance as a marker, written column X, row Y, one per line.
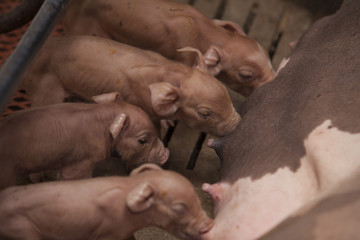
column 248, row 207
column 165, row 26
column 73, row 137
column 333, row 215
column 104, row 208
column 164, row 89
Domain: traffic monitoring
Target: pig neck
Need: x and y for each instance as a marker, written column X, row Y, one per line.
column 130, row 221
column 104, row 117
column 205, row 39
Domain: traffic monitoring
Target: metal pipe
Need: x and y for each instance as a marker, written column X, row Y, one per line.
column 37, row 33
column 196, row 151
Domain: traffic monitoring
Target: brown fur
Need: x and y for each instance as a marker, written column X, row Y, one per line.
column 165, row 26
column 103, row 208
column 73, row 137
column 85, row 66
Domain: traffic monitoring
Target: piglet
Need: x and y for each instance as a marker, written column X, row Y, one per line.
column 73, row 137
column 103, row 208
column 165, row 26
column 85, row 66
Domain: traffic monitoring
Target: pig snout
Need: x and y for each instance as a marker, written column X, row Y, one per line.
column 159, row 153
column 205, row 226
column 153, row 153
column 247, row 90
column 164, row 155
column 196, row 230
column 228, row 126
column 267, row 79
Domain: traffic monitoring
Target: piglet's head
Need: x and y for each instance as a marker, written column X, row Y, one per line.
column 171, row 201
column 197, row 99
column 134, row 137
column 239, row 61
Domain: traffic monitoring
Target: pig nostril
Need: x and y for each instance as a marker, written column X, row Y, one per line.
column 164, row 156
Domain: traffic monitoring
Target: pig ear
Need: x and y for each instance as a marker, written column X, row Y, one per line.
column 145, row 167
column 141, row 197
column 164, row 98
column 199, row 61
column 213, row 60
column 107, row 97
column 230, row 26
column 117, row 125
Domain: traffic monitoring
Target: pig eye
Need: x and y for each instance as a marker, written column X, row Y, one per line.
column 142, row 141
column 205, row 113
column 246, row 76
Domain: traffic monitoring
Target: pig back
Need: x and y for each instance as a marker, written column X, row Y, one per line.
column 47, row 137
column 320, row 82
column 157, row 25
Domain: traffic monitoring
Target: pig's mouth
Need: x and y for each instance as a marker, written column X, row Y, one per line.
column 191, row 236
column 199, row 235
column 194, row 237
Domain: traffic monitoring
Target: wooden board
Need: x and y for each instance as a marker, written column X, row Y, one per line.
column 237, row 11
column 267, row 17
column 208, row 7
column 294, row 22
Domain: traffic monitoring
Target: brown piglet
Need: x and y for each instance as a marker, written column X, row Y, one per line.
column 166, row 26
column 104, row 207
column 84, row 66
column 73, row 137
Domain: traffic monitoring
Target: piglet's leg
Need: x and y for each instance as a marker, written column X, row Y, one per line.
column 79, row 170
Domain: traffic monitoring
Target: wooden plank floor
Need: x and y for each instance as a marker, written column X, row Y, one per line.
column 273, row 23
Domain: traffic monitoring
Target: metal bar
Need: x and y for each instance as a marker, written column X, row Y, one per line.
column 37, row 33
column 169, row 134
column 196, row 151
